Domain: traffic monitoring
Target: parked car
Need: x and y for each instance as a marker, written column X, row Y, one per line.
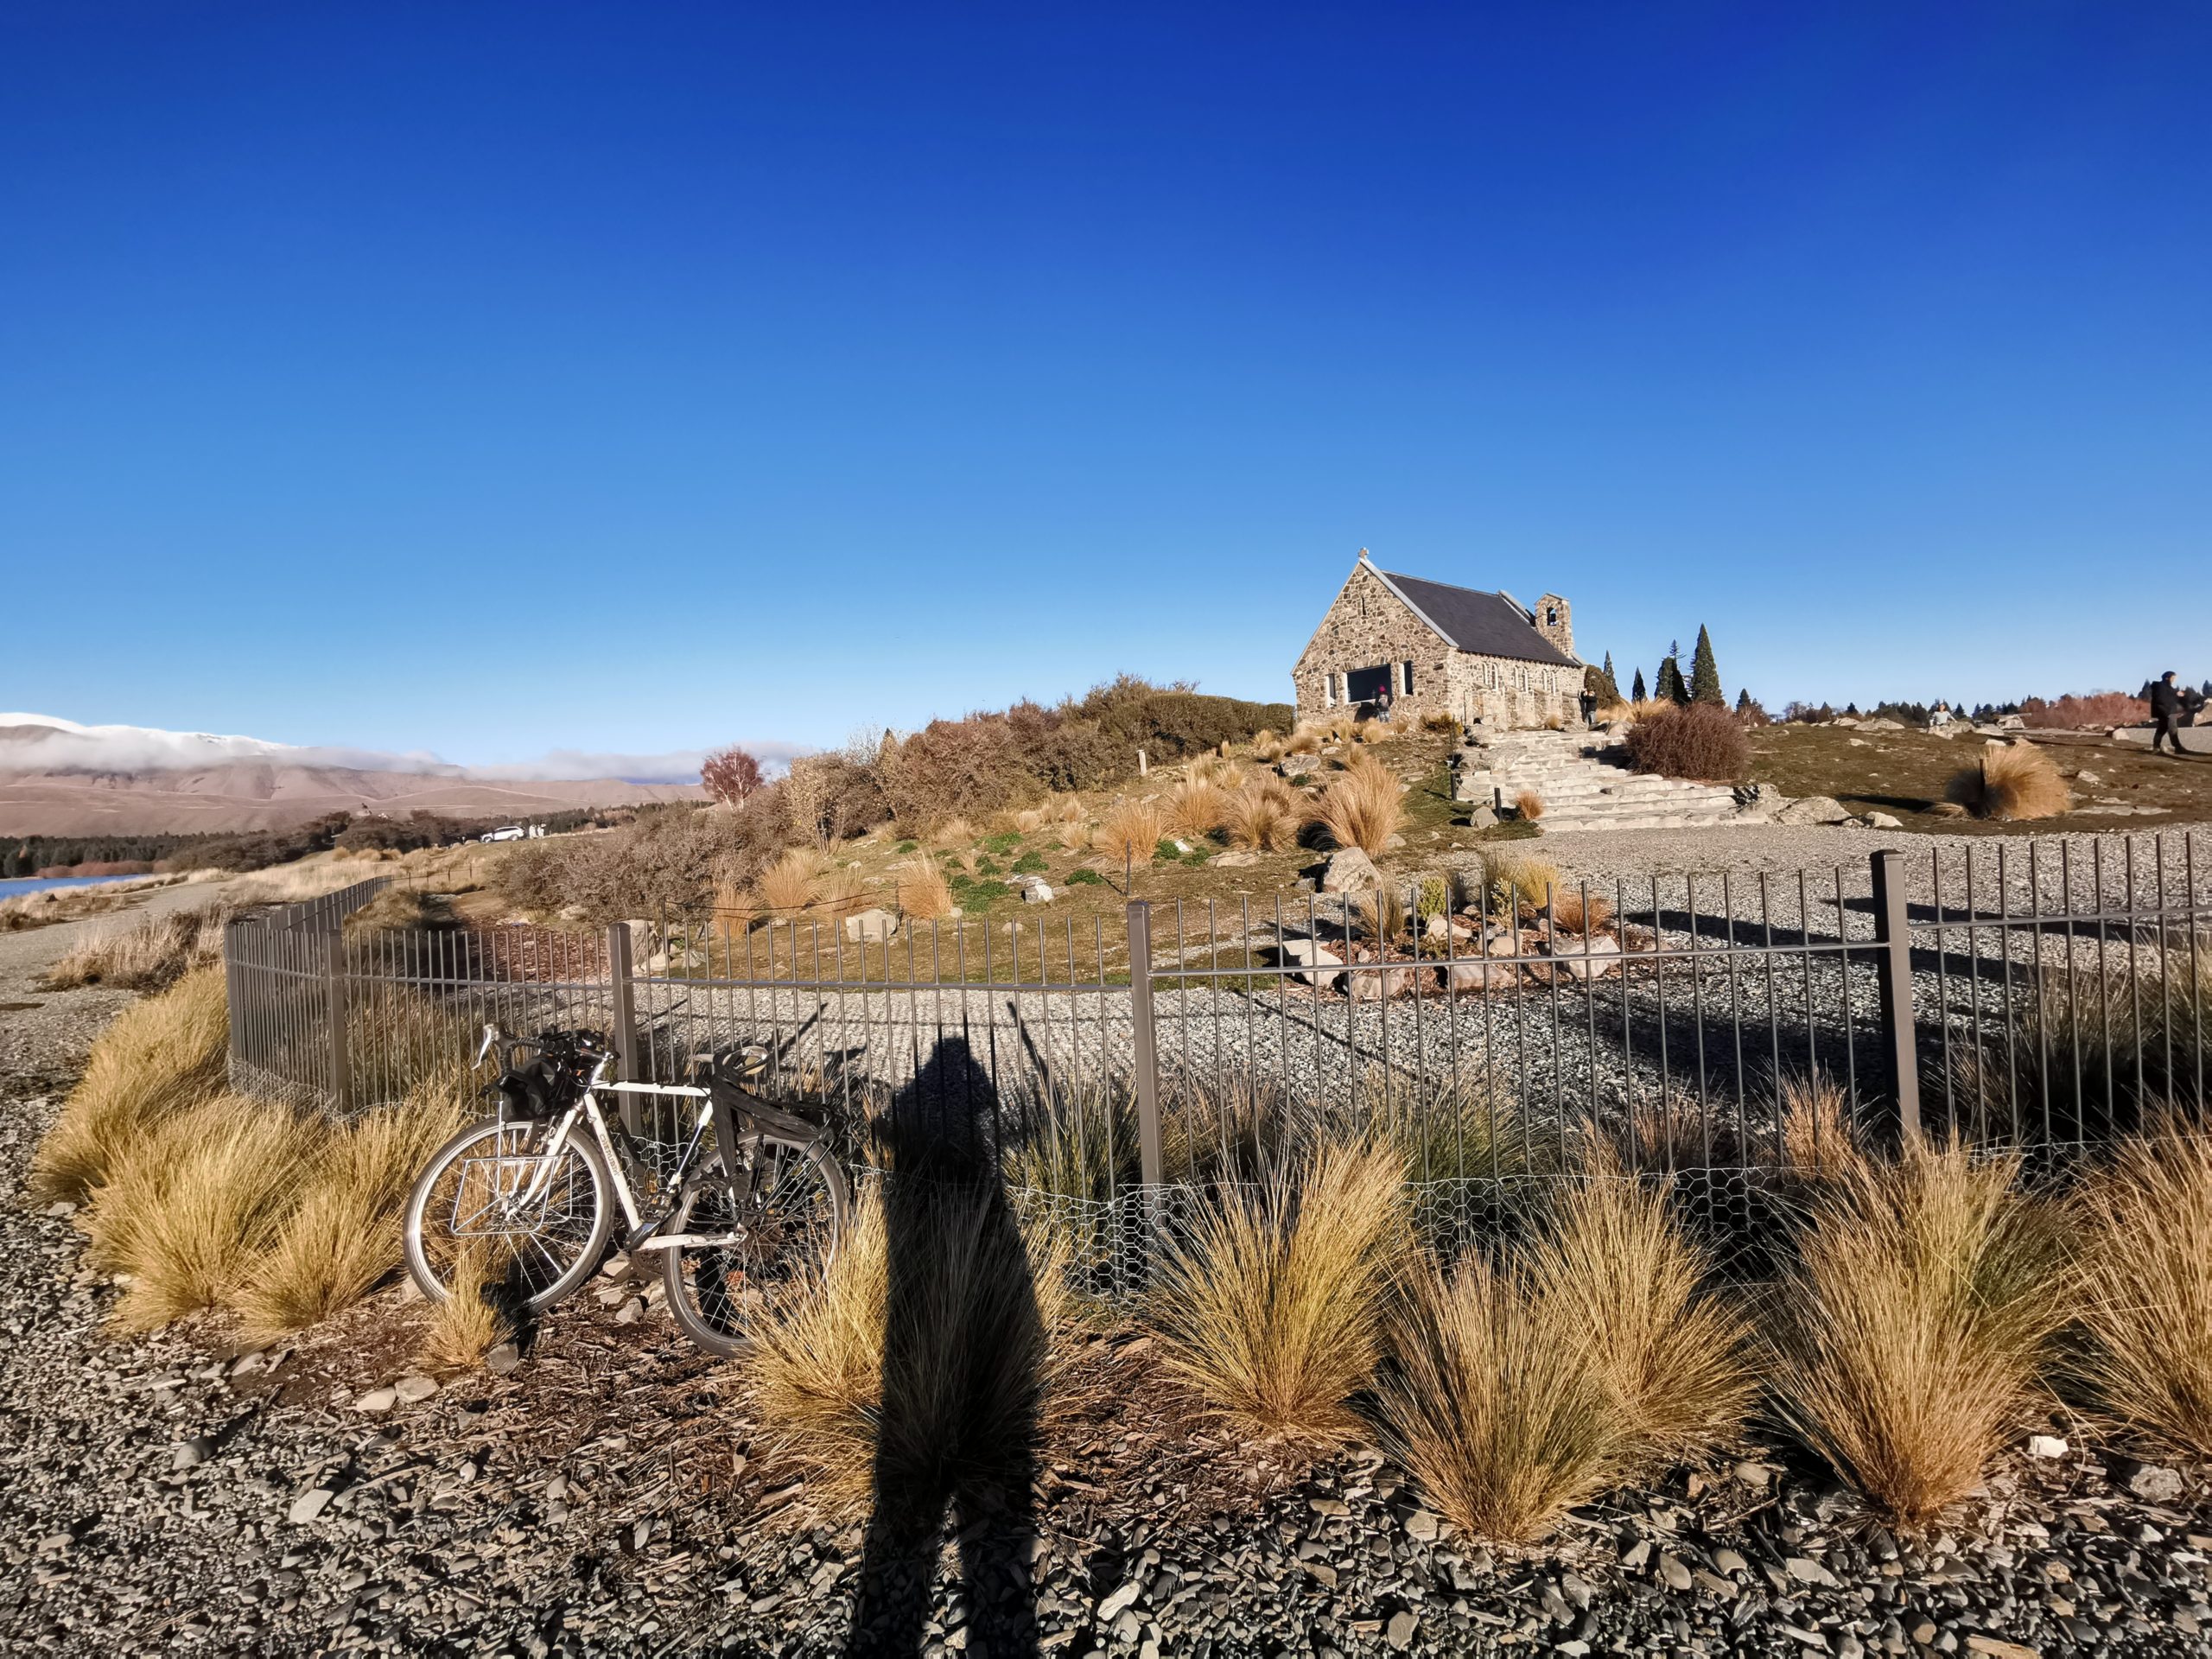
column 504, row 832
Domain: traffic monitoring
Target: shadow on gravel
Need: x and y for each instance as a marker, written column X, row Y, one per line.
column 958, row 1428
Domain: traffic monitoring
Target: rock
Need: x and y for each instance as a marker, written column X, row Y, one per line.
column 871, row 925
column 192, row 1453
column 59, row 1210
column 1422, row 1525
column 1883, row 821
column 1037, row 893
column 1377, row 983
column 1350, row 870
column 1310, row 954
column 1235, row 860
column 1481, row 977
column 1806, row 1571
column 1998, row 1649
column 1603, row 958
column 1676, row 1576
column 1756, row 1476
column 1813, row 809
column 1727, row 1561
column 1400, row 1631
column 2046, row 1445
column 1483, row 817
column 1295, row 765
column 502, row 1358
column 310, row 1504
column 1119, row 1600
column 2150, row 1482
column 411, row 1390
column 377, row 1400
column 2087, row 777
column 630, row 1312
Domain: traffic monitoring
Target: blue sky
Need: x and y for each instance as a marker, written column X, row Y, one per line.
column 494, row 380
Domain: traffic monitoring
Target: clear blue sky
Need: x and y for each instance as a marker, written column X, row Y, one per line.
column 493, row 379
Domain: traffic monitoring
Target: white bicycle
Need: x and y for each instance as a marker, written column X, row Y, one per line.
column 740, row 1204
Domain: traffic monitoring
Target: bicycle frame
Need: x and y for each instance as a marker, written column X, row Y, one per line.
column 588, row 1107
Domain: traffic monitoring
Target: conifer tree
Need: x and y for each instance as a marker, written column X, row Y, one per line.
column 1669, row 687
column 1705, row 672
column 1744, row 700
column 1640, row 693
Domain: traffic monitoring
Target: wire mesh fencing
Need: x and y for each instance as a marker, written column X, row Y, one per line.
column 1501, row 1032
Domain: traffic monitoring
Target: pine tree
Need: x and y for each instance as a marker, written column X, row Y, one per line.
column 1705, row 672
column 1640, row 694
column 1744, row 700
column 1670, row 688
column 1602, row 684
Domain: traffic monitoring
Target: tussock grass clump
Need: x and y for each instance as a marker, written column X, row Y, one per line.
column 1670, row 1354
column 1492, row 1405
column 1304, row 740
column 952, row 832
column 1575, row 912
column 1197, row 808
column 1439, row 720
column 924, row 892
column 149, row 955
column 2010, row 782
column 191, row 1200
column 1512, row 881
column 1267, row 748
column 925, row 1357
column 1131, row 829
column 2147, row 1282
column 344, row 1235
column 1530, row 804
column 792, row 882
column 1818, row 1137
column 1263, row 816
column 156, row 1058
column 1903, row 1345
column 1219, row 770
column 474, row 1316
column 1362, row 806
column 1272, row 1312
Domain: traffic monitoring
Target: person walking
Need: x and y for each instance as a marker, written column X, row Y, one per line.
column 2165, row 713
column 1589, row 702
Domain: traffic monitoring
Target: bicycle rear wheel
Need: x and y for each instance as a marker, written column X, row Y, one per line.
column 472, row 1212
column 771, row 1231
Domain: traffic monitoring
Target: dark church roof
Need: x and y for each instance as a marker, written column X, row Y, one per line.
column 1491, row 624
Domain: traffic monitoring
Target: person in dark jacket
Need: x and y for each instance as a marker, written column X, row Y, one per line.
column 2165, row 713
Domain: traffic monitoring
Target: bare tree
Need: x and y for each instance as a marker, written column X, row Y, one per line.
column 730, row 775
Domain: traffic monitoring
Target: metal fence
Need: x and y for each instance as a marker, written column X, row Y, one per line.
column 1720, row 1027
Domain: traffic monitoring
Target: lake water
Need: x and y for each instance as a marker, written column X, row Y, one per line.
column 19, row 884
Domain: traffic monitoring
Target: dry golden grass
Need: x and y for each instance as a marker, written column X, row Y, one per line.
column 1670, row 1354
column 191, row 1200
column 1264, row 816
column 1197, row 808
column 839, row 894
column 953, row 832
column 1492, row 1403
column 146, row 955
column 1305, row 740
column 1513, row 880
column 1530, row 804
column 473, row 1318
column 343, row 1235
column 1573, row 912
column 1267, row 748
column 29, row 910
column 1439, row 720
column 1818, row 1138
column 2146, row 1279
column 1646, row 708
column 1216, row 769
column 792, row 882
column 2012, row 783
column 156, row 1058
column 1131, row 829
column 924, row 892
column 1272, row 1313
column 922, row 1365
column 1903, row 1346
column 1362, row 806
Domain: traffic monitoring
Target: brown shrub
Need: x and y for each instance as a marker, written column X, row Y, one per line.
column 1305, row 740
column 1697, row 739
column 2147, row 1283
column 1530, row 804
column 2010, row 782
column 1267, row 748
column 792, row 882
column 2098, row 711
column 1197, row 808
column 1439, row 720
column 1574, row 913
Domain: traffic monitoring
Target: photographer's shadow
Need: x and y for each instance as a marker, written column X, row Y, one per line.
column 963, row 1358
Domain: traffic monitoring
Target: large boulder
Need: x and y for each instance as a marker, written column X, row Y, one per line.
column 1813, row 809
column 1375, row 982
column 871, row 925
column 1314, row 956
column 1350, row 870
column 1481, row 977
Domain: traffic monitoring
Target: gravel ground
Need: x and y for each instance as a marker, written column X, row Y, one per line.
column 613, row 1495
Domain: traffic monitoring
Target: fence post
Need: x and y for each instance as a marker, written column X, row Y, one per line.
column 623, row 1017
column 1145, row 1049
column 333, row 985
column 1893, row 932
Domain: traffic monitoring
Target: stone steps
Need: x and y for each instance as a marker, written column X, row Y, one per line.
column 1586, row 786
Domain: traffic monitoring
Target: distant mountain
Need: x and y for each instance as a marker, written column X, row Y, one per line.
column 58, row 777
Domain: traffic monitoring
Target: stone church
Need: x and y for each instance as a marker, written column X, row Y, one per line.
column 1472, row 655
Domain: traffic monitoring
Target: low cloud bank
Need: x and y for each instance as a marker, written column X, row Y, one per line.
column 48, row 743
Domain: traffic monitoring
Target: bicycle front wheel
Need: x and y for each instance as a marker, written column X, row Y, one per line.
column 774, row 1230
column 487, row 1208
